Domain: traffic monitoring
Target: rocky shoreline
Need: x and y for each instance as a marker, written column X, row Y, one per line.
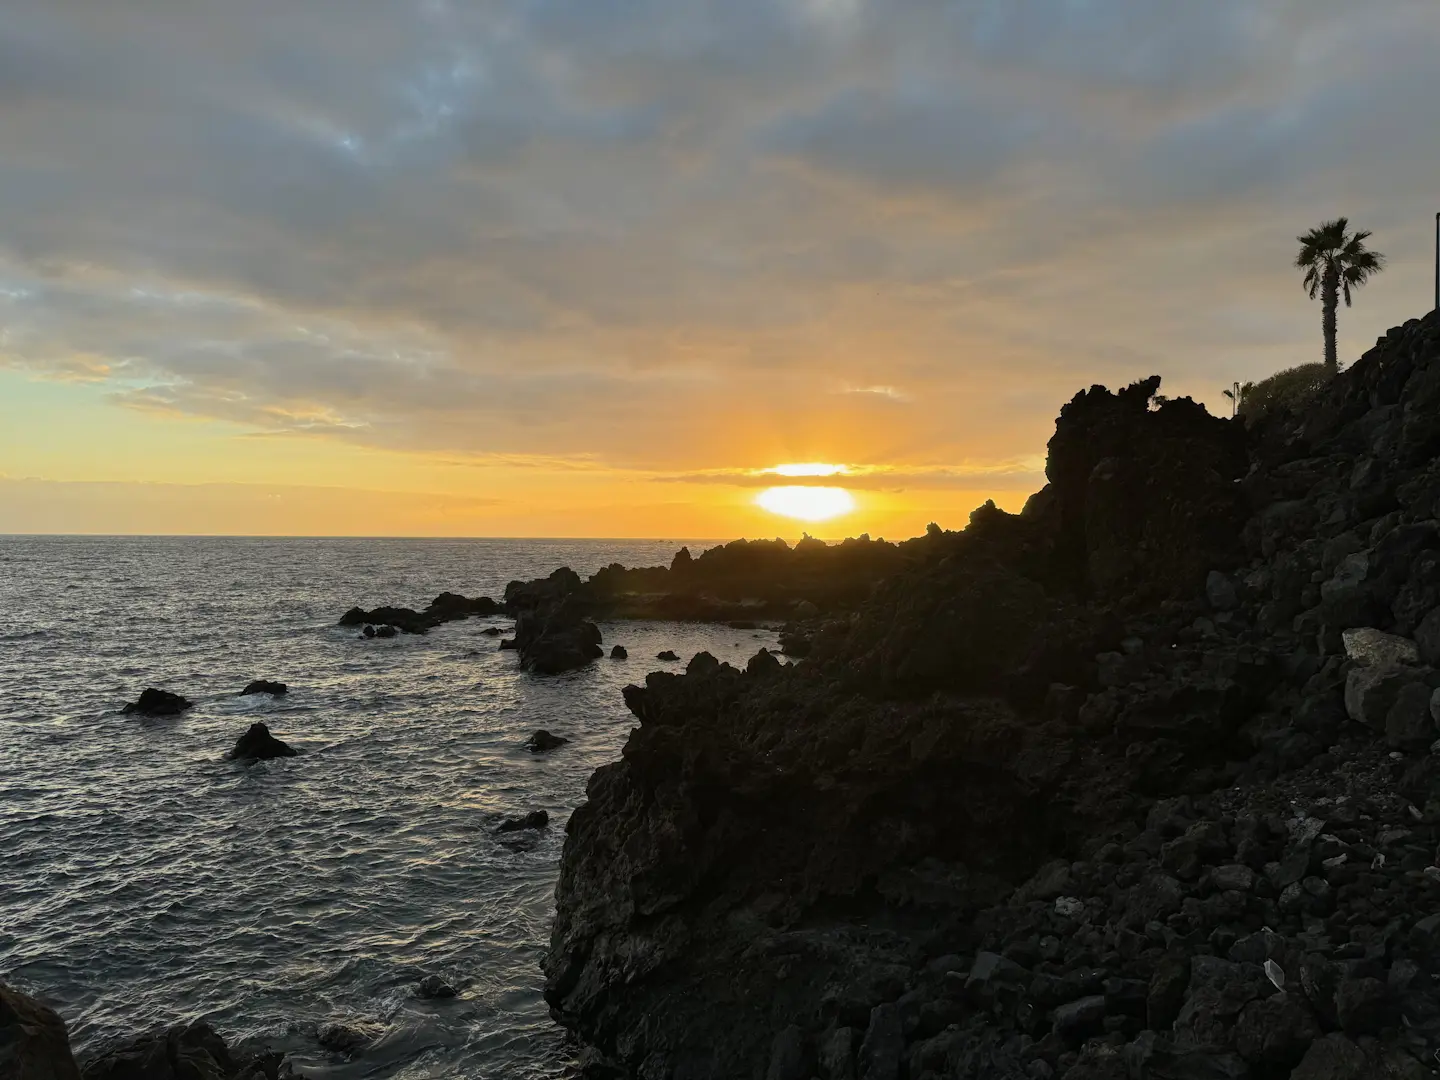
column 1104, row 789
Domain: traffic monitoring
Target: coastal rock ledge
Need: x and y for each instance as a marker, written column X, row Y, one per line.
column 1073, row 794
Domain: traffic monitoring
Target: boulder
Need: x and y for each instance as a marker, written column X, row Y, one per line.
column 619, row 652
column 668, row 654
column 153, row 702
column 762, row 663
column 1333, row 1057
column 33, row 1042
column 1220, row 591
column 433, row 987
column 264, row 686
column 542, row 741
column 556, row 639
column 348, row 1040
column 1408, row 723
column 1370, row 693
column 1373, row 648
column 257, row 744
column 183, row 1052
column 536, row 819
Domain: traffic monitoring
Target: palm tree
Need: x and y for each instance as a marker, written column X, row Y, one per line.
column 1334, row 263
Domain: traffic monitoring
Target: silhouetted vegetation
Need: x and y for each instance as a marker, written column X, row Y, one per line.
column 1292, row 389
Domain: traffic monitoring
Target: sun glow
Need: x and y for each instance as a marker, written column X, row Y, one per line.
column 806, row 503
column 809, row 468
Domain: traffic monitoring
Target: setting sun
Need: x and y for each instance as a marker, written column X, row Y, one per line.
column 806, row 503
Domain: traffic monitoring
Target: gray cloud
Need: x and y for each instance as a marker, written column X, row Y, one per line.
column 634, row 230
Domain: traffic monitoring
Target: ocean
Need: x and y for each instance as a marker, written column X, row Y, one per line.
column 145, row 880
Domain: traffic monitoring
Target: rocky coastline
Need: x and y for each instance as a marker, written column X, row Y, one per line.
column 1137, row 783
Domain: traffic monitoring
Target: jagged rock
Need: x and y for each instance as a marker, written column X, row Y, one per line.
column 1274, row 1033
column 1362, row 1006
column 34, row 1044
column 1371, row 692
column 555, row 640
column 883, row 1048
column 762, row 663
column 264, row 686
column 1333, row 1057
column 346, row 1039
column 184, row 1052
column 536, row 819
column 433, row 987
column 1220, row 591
column 787, row 1056
column 1374, row 648
column 542, row 741
column 257, row 744
column 619, row 652
column 153, row 702
column 668, row 654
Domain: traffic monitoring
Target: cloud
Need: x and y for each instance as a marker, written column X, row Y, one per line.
column 672, row 236
column 1007, row 476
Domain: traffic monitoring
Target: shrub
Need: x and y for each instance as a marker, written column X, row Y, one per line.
column 1292, row 389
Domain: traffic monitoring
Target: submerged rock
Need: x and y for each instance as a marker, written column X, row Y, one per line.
column 347, row 1039
column 155, row 702
column 192, row 1051
column 542, row 741
column 34, row 1044
column 536, row 819
column 434, row 987
column 257, row 744
column 668, row 654
column 264, row 686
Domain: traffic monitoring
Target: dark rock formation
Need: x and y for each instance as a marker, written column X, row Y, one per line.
column 1073, row 794
column 536, row 819
column 433, row 987
column 33, row 1042
column 668, row 654
column 155, row 702
column 264, row 686
column 619, row 652
column 447, row 607
column 555, row 639
column 348, row 1040
column 257, row 744
column 184, row 1052
column 542, row 741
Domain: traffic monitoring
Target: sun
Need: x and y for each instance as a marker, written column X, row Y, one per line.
column 806, row 503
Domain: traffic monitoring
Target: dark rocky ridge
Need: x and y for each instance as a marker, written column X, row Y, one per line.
column 1074, row 794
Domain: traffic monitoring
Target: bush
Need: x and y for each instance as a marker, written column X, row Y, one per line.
column 1292, row 389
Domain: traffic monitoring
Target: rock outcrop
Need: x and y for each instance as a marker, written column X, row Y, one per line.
column 264, row 686
column 153, row 702
column 447, row 607
column 1074, row 793
column 543, row 741
column 33, row 1042
column 257, row 744
column 536, row 819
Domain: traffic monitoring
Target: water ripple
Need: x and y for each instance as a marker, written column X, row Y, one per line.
column 148, row 880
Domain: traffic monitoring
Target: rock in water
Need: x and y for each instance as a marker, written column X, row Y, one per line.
column 33, row 1042
column 542, row 741
column 536, row 819
column 155, row 702
column 183, row 1052
column 433, row 986
column 345, row 1039
column 668, row 654
column 258, row 744
column 619, row 653
column 264, row 686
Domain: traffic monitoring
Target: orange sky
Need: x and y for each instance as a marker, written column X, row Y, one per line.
column 366, row 267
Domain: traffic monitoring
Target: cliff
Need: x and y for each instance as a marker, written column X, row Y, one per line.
column 1099, row 789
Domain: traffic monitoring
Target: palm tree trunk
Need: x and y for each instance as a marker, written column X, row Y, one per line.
column 1329, row 302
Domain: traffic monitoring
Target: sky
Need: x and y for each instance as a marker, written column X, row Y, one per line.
column 590, row 267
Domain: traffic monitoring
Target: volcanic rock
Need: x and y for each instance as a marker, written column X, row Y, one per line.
column 257, row 744
column 542, row 741
column 33, row 1042
column 619, row 652
column 153, row 702
column 536, row 819
column 264, row 686
column 668, row 654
